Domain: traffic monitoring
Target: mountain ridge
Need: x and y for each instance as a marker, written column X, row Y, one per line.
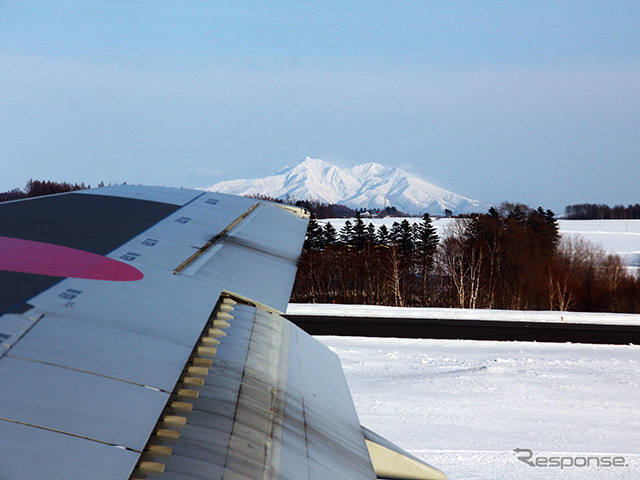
column 370, row 185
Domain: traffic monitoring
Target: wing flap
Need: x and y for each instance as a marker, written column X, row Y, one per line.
column 274, row 404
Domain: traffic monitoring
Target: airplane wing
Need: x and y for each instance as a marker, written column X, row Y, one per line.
column 140, row 335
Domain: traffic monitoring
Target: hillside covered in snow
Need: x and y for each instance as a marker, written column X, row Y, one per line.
column 370, row 185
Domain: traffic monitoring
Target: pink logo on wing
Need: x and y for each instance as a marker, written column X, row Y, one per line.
column 27, row 256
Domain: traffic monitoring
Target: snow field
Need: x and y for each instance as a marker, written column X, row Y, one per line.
column 464, row 406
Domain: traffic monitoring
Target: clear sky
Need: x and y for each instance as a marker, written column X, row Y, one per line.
column 529, row 101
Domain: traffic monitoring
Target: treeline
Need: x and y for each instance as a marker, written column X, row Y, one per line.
column 592, row 211
column 321, row 210
column 508, row 258
column 362, row 264
column 37, row 188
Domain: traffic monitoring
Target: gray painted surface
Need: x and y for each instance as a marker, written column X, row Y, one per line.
column 78, row 403
column 34, row 453
column 73, row 369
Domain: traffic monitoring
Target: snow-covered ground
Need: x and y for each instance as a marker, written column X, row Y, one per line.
column 614, row 236
column 464, row 406
column 336, row 310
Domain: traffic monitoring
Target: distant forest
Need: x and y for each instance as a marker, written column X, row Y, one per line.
column 321, row 210
column 592, row 211
column 509, row 258
column 36, row 188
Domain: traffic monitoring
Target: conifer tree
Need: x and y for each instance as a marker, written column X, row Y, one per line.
column 543, row 227
column 330, row 234
column 518, row 213
column 314, row 239
column 426, row 241
column 402, row 235
column 370, row 234
column 346, row 233
column 383, row 236
column 359, row 231
column 394, row 233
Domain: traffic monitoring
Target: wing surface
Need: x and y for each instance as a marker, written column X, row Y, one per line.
column 142, row 336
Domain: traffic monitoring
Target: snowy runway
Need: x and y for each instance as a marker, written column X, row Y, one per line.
column 464, row 406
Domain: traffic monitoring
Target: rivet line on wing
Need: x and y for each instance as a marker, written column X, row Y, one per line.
column 176, row 412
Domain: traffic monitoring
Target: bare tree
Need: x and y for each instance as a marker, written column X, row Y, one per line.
column 394, row 268
column 461, row 261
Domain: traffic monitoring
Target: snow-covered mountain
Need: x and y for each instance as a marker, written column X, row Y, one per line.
column 370, row 185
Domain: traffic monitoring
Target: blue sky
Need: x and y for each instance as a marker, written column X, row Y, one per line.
column 535, row 102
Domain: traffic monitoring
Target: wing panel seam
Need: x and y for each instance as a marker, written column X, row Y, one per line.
column 89, row 372
column 63, row 432
column 202, row 250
